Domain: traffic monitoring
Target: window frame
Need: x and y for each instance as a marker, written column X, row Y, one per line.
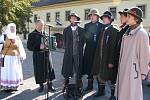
column 144, row 13
column 67, row 13
column 86, row 17
column 115, row 17
column 48, row 18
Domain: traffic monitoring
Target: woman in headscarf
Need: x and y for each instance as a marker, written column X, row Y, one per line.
column 13, row 52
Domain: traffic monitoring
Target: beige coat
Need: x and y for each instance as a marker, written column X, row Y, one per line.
column 133, row 65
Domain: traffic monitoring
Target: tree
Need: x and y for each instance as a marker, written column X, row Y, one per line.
column 17, row 11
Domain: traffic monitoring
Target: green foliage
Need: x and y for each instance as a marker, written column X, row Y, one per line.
column 17, row 11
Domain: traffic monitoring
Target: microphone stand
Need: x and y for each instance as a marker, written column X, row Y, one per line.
column 47, row 62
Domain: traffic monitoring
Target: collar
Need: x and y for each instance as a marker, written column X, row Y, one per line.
column 95, row 22
column 123, row 26
column 134, row 31
column 134, row 26
column 74, row 28
column 107, row 26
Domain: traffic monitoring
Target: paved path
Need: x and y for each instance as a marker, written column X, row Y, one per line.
column 28, row 91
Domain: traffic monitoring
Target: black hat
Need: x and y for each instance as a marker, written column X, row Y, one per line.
column 136, row 12
column 74, row 14
column 125, row 11
column 107, row 14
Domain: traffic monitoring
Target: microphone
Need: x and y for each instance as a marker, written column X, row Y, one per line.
column 77, row 21
column 49, row 25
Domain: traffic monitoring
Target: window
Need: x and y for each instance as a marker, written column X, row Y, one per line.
column 113, row 10
column 67, row 15
column 143, row 8
column 35, row 17
column 48, row 17
column 86, row 14
column 57, row 16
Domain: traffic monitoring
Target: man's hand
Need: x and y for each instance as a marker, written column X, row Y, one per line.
column 55, row 44
column 42, row 46
column 110, row 65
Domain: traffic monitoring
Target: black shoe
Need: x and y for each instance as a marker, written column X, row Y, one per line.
column 41, row 88
column 101, row 91
column 8, row 91
column 51, row 88
column 112, row 98
column 88, row 88
column 66, row 82
column 90, row 85
column 98, row 94
column 148, row 85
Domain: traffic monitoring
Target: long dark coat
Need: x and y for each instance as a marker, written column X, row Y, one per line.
column 67, row 68
column 41, row 61
column 118, row 44
column 91, row 45
column 105, row 55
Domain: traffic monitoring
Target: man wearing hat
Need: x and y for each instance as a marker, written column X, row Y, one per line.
column 73, row 43
column 103, row 66
column 93, row 29
column 123, row 28
column 134, row 59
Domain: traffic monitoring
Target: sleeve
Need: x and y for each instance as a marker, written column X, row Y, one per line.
column 33, row 43
column 86, row 34
column 64, row 35
column 144, row 55
column 113, row 36
column 21, row 50
column 83, row 40
column 1, row 42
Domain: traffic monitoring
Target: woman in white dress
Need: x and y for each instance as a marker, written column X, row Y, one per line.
column 13, row 52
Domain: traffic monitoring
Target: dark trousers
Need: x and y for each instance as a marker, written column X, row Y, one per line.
column 76, row 70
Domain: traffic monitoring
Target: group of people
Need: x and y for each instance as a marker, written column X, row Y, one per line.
column 99, row 50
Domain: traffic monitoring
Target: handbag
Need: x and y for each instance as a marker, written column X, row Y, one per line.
column 3, row 58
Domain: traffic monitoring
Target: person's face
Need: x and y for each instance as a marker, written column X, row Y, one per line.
column 131, row 20
column 73, row 19
column 94, row 18
column 40, row 26
column 123, row 19
column 106, row 20
column 12, row 29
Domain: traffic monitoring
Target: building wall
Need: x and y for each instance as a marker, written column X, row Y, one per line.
column 80, row 6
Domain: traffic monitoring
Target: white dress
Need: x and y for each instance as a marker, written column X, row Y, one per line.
column 11, row 74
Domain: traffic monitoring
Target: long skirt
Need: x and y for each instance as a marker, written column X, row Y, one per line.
column 11, row 74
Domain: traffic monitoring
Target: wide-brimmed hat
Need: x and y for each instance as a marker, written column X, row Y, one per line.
column 125, row 11
column 136, row 12
column 94, row 11
column 107, row 14
column 74, row 14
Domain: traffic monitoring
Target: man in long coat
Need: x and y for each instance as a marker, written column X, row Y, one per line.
column 73, row 43
column 41, row 60
column 103, row 66
column 124, row 27
column 134, row 59
column 93, row 29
